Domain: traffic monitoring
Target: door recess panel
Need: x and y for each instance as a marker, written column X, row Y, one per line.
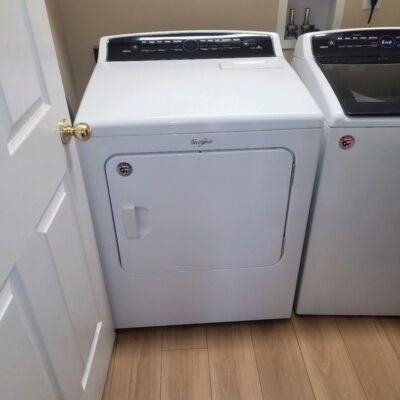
column 200, row 211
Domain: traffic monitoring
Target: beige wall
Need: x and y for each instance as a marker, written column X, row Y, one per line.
column 78, row 24
column 63, row 55
column 387, row 15
column 85, row 21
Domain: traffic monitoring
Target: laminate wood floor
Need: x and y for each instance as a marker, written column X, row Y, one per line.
column 303, row 358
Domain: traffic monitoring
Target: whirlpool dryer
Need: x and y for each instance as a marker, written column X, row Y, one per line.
column 352, row 255
column 199, row 175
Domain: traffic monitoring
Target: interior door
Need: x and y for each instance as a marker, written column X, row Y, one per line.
column 56, row 333
column 200, row 211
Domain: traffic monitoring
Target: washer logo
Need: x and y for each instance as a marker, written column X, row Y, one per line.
column 346, row 142
column 124, row 169
column 200, row 142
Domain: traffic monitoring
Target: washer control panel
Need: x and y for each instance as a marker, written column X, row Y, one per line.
column 372, row 42
column 184, row 45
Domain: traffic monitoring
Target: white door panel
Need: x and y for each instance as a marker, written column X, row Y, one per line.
column 59, row 225
column 25, row 91
column 37, row 272
column 19, row 352
column 56, row 333
column 210, row 210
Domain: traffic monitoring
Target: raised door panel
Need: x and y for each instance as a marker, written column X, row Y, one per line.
column 60, row 228
column 210, row 210
column 53, row 277
column 23, row 371
column 23, row 92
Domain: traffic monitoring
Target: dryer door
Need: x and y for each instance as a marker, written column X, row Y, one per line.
column 200, row 211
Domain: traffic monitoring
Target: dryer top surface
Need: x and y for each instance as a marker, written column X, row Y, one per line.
column 203, row 95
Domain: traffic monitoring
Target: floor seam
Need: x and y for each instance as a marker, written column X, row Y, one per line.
column 255, row 359
column 113, row 357
column 186, row 348
column 161, row 361
column 302, row 357
column 388, row 336
column 209, row 366
column 351, row 358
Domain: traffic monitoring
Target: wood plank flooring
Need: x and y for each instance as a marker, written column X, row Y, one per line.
column 233, row 367
column 304, row 358
column 281, row 368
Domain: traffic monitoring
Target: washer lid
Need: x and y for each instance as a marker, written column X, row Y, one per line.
column 365, row 88
column 352, row 74
column 363, row 69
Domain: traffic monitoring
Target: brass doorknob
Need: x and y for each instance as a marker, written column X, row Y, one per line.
column 80, row 131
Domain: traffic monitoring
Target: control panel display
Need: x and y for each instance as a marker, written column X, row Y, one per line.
column 181, row 46
column 377, row 42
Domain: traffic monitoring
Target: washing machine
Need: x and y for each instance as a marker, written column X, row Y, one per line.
column 199, row 175
column 351, row 262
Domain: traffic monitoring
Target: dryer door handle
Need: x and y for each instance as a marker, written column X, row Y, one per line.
column 130, row 221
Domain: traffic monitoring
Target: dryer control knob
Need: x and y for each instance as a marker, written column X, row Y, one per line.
column 190, row 45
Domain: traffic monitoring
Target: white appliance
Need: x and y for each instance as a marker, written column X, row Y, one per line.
column 351, row 261
column 199, row 175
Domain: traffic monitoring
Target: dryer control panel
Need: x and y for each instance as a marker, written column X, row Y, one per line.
column 186, row 45
column 371, row 42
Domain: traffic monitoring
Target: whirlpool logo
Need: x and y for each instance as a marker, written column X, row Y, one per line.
column 200, row 142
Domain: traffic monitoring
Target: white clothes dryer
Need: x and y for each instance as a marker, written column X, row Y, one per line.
column 199, row 175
